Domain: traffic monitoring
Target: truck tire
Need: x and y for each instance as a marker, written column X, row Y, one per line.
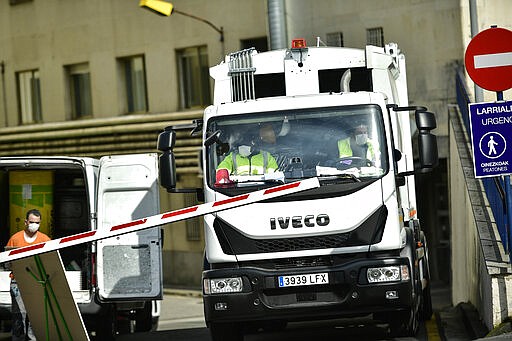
column 404, row 324
column 226, row 332
column 143, row 319
column 106, row 326
column 426, row 310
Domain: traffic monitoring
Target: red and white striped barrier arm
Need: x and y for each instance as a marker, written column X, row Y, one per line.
column 159, row 219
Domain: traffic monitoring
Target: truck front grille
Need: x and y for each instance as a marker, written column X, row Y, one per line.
column 303, row 243
column 290, row 263
column 234, row 242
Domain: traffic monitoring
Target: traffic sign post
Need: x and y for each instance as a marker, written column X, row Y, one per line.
column 488, row 61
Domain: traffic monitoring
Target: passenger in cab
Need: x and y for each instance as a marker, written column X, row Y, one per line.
column 358, row 144
column 248, row 158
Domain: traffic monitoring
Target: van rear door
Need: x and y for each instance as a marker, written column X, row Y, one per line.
column 129, row 267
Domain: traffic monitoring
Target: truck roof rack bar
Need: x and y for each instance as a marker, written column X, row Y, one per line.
column 241, row 72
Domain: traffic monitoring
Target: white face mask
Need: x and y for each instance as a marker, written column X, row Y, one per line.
column 361, row 138
column 244, row 151
column 32, row 227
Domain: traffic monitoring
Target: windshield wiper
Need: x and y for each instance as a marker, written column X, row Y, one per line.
column 339, row 176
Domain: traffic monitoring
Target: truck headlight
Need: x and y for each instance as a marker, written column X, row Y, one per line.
column 388, row 274
column 222, row 285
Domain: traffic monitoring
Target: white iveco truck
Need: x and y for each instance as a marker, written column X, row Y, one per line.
column 352, row 247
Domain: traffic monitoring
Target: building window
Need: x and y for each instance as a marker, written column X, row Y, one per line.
column 29, row 96
column 375, row 36
column 133, row 77
column 79, row 79
column 335, row 39
column 260, row 44
column 194, row 78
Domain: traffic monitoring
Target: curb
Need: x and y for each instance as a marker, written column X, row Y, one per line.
column 472, row 321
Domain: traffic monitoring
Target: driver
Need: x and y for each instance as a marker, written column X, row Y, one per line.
column 357, row 144
column 248, row 158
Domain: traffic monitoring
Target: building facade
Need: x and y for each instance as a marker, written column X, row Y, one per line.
column 98, row 77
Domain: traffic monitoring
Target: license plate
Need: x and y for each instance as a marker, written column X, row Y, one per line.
column 304, row 279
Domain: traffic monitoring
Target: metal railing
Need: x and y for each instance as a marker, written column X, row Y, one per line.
column 241, row 72
column 494, row 186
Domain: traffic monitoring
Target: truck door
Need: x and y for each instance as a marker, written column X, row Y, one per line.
column 129, row 267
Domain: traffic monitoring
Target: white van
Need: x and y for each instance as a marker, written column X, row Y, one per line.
column 114, row 279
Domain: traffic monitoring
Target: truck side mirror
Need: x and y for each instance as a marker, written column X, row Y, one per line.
column 167, row 170
column 425, row 120
column 166, row 140
column 427, row 142
column 166, row 161
column 427, row 145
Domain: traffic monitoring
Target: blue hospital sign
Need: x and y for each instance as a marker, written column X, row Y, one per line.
column 491, row 137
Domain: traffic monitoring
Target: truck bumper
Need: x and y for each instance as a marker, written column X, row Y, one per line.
column 348, row 294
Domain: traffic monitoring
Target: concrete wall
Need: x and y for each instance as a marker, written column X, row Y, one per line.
column 50, row 34
column 481, row 272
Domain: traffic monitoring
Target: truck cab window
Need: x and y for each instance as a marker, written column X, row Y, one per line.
column 290, row 145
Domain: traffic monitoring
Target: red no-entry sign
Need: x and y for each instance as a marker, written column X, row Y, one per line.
column 488, row 59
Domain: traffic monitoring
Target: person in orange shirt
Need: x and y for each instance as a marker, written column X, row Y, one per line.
column 21, row 328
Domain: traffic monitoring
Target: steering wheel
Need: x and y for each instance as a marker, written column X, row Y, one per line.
column 353, row 161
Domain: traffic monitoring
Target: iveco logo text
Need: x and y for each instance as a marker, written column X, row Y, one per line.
column 298, row 222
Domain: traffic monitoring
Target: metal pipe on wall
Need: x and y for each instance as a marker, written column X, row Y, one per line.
column 277, row 24
column 4, row 96
column 473, row 15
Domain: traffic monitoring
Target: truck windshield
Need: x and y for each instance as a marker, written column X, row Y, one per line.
column 342, row 144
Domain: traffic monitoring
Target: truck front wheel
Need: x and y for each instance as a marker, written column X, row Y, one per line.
column 404, row 324
column 143, row 318
column 426, row 310
column 226, row 332
column 106, row 325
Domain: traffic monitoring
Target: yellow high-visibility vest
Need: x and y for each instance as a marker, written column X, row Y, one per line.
column 345, row 150
column 258, row 164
